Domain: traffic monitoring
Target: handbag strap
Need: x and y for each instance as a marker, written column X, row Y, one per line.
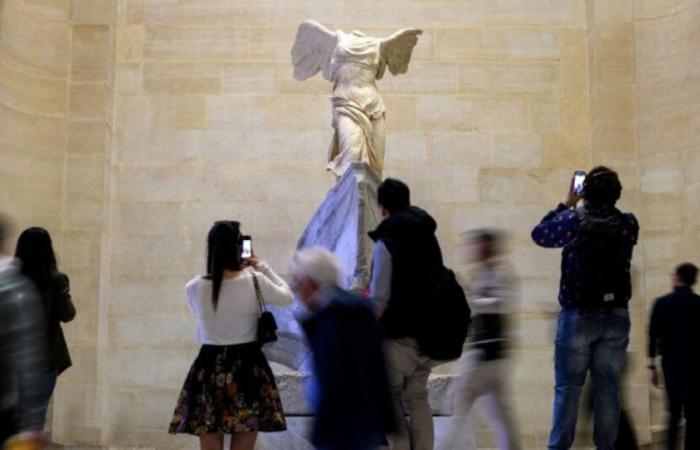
column 258, row 294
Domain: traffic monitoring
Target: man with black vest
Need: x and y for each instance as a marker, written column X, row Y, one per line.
column 593, row 325
column 406, row 268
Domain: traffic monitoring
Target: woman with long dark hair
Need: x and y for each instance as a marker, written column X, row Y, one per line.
column 38, row 261
column 230, row 388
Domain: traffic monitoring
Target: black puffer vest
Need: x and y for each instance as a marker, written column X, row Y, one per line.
column 409, row 236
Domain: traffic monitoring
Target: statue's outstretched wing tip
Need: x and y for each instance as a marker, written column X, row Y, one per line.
column 398, row 48
column 312, row 49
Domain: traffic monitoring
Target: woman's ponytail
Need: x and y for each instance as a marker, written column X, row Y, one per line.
column 223, row 253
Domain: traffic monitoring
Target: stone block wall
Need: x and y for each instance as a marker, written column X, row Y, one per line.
column 79, row 406
column 613, row 143
column 486, row 128
column 667, row 62
column 34, row 87
column 668, row 76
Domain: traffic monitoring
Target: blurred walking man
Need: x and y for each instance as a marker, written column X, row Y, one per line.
column 674, row 329
column 483, row 372
column 349, row 390
column 593, row 325
column 22, row 354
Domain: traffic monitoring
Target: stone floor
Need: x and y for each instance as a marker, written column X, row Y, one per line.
column 658, row 446
column 296, row 438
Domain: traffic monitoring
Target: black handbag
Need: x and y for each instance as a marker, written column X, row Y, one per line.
column 267, row 325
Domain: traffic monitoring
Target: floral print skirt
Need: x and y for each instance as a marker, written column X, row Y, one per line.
column 229, row 389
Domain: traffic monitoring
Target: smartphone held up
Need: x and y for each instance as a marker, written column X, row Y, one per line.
column 246, row 247
column 579, row 178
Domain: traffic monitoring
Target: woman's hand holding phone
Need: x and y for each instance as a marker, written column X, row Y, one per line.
column 253, row 262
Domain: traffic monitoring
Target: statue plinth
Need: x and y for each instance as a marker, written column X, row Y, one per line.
column 340, row 224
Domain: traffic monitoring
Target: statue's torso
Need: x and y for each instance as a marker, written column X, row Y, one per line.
column 354, row 66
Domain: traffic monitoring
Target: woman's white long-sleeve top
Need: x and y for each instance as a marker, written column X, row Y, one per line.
column 235, row 320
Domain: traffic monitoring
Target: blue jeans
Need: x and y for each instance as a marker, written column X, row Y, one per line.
column 595, row 340
column 48, row 388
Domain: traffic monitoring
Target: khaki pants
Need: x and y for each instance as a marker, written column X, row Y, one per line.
column 486, row 381
column 408, row 370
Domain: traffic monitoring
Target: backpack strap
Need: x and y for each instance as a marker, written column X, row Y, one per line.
column 258, row 293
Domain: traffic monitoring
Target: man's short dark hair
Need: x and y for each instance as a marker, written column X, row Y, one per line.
column 687, row 273
column 393, row 195
column 602, row 187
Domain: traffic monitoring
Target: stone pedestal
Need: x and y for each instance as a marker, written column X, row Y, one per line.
column 340, row 224
column 300, row 416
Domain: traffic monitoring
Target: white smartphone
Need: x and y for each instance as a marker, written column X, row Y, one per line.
column 579, row 178
column 246, row 247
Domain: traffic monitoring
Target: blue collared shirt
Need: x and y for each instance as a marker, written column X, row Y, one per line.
column 382, row 268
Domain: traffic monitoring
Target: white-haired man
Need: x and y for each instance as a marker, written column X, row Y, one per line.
column 351, row 392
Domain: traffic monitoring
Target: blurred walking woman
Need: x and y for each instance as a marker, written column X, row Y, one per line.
column 38, row 260
column 230, row 388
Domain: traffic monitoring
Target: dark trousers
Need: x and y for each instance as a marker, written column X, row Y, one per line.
column 626, row 439
column 8, row 426
column 683, row 390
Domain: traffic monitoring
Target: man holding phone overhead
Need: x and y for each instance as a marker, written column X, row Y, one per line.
column 593, row 325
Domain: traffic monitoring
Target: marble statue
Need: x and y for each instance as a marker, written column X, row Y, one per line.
column 353, row 62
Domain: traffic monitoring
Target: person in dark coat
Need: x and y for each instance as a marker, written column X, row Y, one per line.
column 35, row 254
column 407, row 267
column 349, row 389
column 22, row 354
column 674, row 332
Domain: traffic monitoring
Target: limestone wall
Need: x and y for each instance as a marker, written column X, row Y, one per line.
column 34, row 83
column 79, row 403
column 613, row 142
column 667, row 42
column 668, row 68
column 486, row 128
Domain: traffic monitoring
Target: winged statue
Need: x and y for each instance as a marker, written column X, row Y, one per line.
column 353, row 62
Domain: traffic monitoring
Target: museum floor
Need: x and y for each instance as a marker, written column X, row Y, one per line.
column 658, row 446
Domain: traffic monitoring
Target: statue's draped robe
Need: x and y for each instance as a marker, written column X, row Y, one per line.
column 358, row 109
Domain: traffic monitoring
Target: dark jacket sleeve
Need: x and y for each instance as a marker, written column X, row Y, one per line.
column 328, row 336
column 557, row 228
column 653, row 331
column 65, row 310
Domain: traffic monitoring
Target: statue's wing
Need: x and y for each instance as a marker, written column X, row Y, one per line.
column 396, row 51
column 312, row 50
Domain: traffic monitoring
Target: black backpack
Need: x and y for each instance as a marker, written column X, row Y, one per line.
column 602, row 267
column 445, row 322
